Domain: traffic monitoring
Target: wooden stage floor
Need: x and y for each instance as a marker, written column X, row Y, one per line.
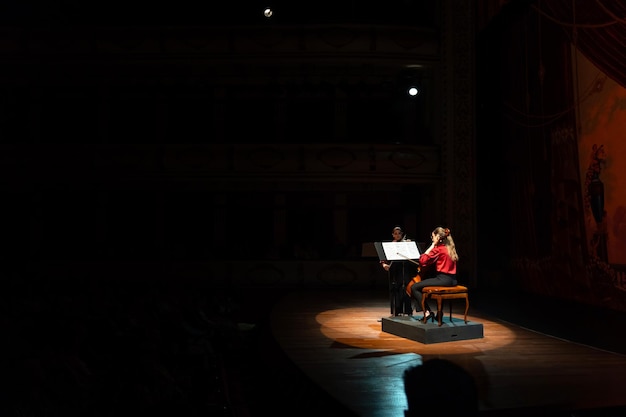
column 335, row 338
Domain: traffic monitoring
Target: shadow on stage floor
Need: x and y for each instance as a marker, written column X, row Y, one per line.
column 556, row 318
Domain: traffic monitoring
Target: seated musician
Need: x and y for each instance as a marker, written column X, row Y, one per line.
column 441, row 255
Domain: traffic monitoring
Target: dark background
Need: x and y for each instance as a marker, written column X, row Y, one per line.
column 164, row 162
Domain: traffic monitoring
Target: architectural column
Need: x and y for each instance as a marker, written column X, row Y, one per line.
column 458, row 127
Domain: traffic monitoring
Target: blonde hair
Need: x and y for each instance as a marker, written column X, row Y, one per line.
column 444, row 236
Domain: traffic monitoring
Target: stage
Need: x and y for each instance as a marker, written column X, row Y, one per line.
column 410, row 327
column 344, row 342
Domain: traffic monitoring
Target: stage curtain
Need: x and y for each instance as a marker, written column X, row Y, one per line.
column 596, row 27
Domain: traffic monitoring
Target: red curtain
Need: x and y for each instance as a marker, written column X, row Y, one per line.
column 596, row 27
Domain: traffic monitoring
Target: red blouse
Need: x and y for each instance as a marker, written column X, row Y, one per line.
column 439, row 256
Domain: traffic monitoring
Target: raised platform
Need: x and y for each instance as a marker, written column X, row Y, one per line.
column 411, row 328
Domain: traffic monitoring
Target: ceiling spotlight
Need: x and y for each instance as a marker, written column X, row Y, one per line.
column 268, row 12
column 413, row 91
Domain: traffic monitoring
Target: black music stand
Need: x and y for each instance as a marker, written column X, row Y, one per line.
column 399, row 274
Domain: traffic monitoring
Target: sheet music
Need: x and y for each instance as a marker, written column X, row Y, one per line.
column 400, row 251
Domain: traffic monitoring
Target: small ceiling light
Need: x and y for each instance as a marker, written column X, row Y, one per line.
column 413, row 91
column 268, row 12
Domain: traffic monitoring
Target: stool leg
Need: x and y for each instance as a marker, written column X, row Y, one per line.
column 439, row 311
column 466, row 307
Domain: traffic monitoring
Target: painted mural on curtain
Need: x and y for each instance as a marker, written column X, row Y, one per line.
column 602, row 161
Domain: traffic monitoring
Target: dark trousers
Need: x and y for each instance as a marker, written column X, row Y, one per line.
column 441, row 280
column 399, row 300
column 400, row 274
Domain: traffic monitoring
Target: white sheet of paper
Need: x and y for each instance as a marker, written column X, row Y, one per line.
column 394, row 251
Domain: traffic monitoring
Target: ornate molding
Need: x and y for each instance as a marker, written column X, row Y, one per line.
column 343, row 42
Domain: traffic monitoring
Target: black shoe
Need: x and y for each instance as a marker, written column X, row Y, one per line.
column 429, row 316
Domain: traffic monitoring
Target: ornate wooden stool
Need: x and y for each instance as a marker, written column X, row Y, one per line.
column 445, row 293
